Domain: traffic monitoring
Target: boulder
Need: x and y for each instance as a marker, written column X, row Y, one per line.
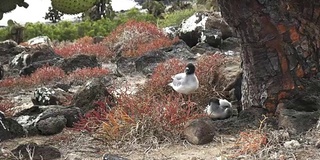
column 9, row 49
column 7, row 44
column 50, row 96
column 205, row 27
column 44, row 96
column 94, row 90
column 42, row 53
column 191, row 28
column 231, row 43
column 147, row 62
column 39, row 152
column 20, row 60
column 30, row 60
column 179, row 50
column 303, row 112
column 171, row 31
column 77, row 62
column 33, row 55
column 54, row 116
column 51, row 125
column 126, row 65
column 297, row 122
column 64, row 86
column 199, row 131
column 204, row 48
column 28, row 70
column 215, row 21
column 212, row 37
column 17, row 49
column 9, row 128
column 40, row 40
column 71, row 114
column 252, row 115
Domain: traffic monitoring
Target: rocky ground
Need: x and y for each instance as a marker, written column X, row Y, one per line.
column 78, row 145
column 41, row 112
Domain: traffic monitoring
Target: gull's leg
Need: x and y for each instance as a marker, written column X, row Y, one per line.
column 190, row 101
column 189, row 98
column 181, row 96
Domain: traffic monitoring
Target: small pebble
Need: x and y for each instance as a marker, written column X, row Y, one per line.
column 318, row 144
column 291, row 144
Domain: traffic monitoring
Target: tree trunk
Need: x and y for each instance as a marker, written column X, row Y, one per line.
column 280, row 51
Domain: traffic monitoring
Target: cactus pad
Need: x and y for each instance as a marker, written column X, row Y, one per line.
column 7, row 6
column 72, row 6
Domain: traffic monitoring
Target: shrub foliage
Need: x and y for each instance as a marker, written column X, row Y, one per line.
column 48, row 74
column 155, row 111
column 69, row 31
column 136, row 38
column 83, row 45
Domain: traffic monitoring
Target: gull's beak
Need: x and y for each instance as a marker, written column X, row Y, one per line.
column 187, row 69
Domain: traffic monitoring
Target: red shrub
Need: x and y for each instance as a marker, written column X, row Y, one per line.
column 85, row 73
column 92, row 120
column 46, row 74
column 156, row 110
column 85, row 40
column 161, row 77
column 5, row 107
column 145, row 116
column 100, row 50
column 251, row 141
column 8, row 82
column 137, row 38
column 41, row 75
column 139, row 116
column 208, row 68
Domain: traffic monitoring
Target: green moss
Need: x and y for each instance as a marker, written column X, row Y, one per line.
column 4, row 32
column 175, row 18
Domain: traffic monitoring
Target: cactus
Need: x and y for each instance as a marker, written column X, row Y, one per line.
column 9, row 5
column 154, row 7
column 64, row 6
column 72, row 6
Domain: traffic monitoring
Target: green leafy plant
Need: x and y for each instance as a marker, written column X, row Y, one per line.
column 175, row 18
column 53, row 15
column 4, row 33
column 70, row 31
column 155, row 8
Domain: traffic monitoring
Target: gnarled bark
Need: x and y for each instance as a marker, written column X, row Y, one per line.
column 280, row 42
